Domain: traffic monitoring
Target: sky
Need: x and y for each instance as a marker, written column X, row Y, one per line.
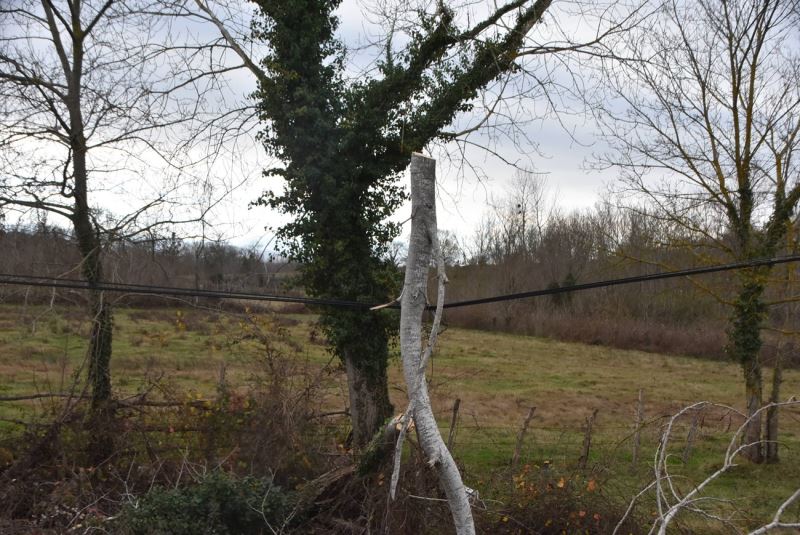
column 463, row 196
column 542, row 145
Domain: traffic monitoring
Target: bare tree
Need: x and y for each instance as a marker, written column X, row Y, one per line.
column 91, row 105
column 704, row 122
column 522, row 215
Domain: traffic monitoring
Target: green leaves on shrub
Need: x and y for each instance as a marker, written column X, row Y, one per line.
column 219, row 504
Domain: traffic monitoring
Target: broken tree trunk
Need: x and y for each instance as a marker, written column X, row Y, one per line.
column 423, row 243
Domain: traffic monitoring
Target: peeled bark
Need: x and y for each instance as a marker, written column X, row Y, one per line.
column 422, row 240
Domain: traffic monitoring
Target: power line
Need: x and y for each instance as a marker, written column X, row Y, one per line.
column 628, row 280
column 143, row 289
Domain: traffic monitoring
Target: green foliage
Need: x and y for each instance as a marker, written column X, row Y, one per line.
column 375, row 454
column 749, row 312
column 338, row 200
column 562, row 299
column 555, row 298
column 218, row 504
column 344, row 144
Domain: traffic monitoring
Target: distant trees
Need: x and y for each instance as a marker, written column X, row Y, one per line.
column 452, row 249
column 704, row 120
column 514, row 225
column 45, row 250
column 524, row 230
column 563, row 248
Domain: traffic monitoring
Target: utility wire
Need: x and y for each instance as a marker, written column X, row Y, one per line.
column 143, row 289
column 628, row 280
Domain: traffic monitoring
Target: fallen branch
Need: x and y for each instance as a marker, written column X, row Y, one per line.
column 671, row 501
column 29, row 397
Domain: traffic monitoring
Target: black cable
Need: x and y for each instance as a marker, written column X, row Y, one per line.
column 51, row 282
column 628, row 280
column 142, row 289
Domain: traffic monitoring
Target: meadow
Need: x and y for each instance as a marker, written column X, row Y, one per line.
column 181, row 352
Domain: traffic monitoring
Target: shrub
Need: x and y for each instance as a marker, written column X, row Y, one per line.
column 217, row 504
column 548, row 501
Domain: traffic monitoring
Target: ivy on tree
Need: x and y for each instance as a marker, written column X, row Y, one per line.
column 344, row 143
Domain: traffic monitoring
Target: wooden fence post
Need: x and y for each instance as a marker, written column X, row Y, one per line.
column 637, row 428
column 587, row 440
column 520, row 440
column 451, row 437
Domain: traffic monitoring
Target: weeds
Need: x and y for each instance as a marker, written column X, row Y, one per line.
column 254, row 401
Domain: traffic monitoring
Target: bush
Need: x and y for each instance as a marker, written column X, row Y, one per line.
column 550, row 502
column 217, row 504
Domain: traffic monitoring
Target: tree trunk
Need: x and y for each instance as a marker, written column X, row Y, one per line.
column 754, row 396
column 369, row 399
column 744, row 345
column 100, row 349
column 102, row 439
column 771, row 439
column 423, row 234
column 90, row 247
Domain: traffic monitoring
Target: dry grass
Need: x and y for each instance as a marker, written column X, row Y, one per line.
column 497, row 377
column 501, row 374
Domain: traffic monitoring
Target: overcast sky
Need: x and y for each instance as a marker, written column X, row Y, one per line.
column 465, row 190
column 463, row 197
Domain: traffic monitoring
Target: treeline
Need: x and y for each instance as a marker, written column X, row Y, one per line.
column 523, row 243
column 45, row 250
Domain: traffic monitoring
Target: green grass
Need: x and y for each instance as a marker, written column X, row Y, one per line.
column 496, row 376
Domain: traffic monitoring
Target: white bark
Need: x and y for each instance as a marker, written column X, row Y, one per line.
column 422, row 243
column 672, row 501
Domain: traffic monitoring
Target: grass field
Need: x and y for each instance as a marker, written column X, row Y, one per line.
column 496, row 376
